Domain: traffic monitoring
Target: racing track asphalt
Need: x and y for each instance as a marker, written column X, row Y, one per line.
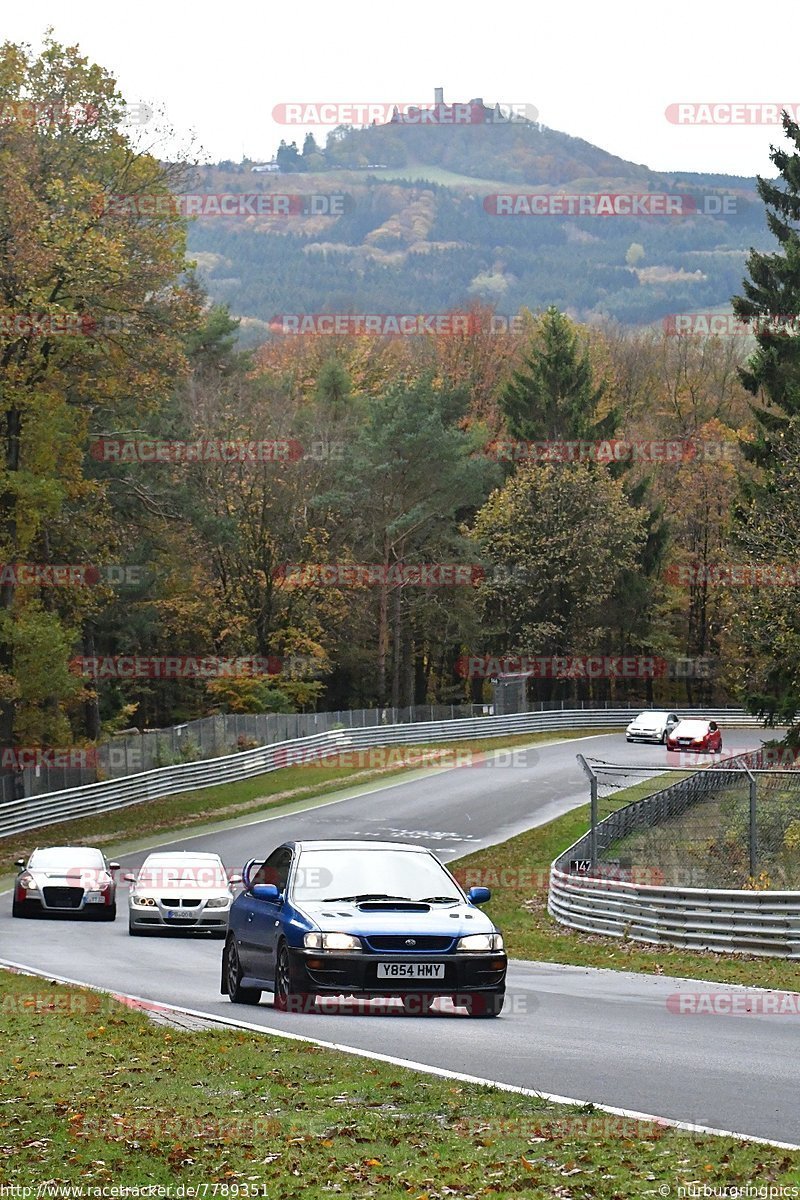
column 601, row 1036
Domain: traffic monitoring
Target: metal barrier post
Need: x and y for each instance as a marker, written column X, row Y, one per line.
column 592, row 811
column 753, row 817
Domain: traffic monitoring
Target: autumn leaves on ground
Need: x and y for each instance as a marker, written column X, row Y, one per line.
column 92, row 1093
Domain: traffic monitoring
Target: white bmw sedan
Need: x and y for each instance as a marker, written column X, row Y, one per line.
column 180, row 890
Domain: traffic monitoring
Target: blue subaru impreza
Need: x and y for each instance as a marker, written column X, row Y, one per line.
column 364, row 919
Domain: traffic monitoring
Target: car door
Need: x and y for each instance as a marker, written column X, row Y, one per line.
column 261, row 925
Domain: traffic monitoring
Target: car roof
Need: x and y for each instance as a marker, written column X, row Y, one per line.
column 178, row 855
column 655, row 712
column 355, row 844
column 67, row 850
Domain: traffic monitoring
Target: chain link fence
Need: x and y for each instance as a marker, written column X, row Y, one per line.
column 734, row 824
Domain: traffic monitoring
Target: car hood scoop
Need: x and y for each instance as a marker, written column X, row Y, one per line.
column 393, row 906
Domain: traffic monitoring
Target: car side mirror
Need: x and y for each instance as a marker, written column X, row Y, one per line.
column 235, row 878
column 113, row 866
column 129, row 877
column 266, row 891
column 249, row 869
column 20, row 862
column 479, row 895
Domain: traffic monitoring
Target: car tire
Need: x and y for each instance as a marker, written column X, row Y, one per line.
column 664, row 738
column 108, row 914
column 19, row 909
column 485, row 1004
column 287, row 1000
column 232, row 974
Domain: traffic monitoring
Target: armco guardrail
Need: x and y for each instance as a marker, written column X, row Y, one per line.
column 737, row 921
column 17, row 816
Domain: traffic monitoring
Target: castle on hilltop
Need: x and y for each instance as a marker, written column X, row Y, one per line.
column 475, row 112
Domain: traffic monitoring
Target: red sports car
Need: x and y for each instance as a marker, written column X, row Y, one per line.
column 696, row 735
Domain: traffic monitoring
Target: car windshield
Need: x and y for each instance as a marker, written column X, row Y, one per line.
column 182, row 872
column 691, row 729
column 650, row 716
column 66, row 857
column 372, row 874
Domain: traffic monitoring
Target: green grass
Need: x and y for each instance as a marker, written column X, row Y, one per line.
column 94, row 1095
column 264, row 793
column 518, row 872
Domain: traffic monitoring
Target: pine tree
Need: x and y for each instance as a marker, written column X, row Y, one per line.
column 771, row 298
column 553, row 396
column 766, row 623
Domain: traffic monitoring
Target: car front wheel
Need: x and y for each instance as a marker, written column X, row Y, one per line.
column 18, row 909
column 232, row 973
column 287, row 1000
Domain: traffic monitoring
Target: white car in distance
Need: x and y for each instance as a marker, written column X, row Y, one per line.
column 651, row 727
column 182, row 889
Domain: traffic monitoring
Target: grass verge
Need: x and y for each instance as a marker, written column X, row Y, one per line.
column 270, row 792
column 95, row 1095
column 518, row 873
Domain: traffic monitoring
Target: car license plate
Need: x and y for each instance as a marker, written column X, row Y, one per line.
column 410, row 970
column 95, row 898
column 179, row 914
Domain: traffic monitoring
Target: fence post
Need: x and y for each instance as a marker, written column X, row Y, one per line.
column 753, row 818
column 592, row 811
column 753, row 826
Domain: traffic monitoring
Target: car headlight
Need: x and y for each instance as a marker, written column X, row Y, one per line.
column 27, row 882
column 331, row 941
column 146, row 901
column 481, row 941
column 218, row 902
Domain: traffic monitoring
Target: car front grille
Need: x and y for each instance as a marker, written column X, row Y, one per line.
column 399, row 944
column 179, row 902
column 63, row 897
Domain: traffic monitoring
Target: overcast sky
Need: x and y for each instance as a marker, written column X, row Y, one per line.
column 603, row 72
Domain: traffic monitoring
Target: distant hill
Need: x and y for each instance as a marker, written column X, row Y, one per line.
column 418, row 233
